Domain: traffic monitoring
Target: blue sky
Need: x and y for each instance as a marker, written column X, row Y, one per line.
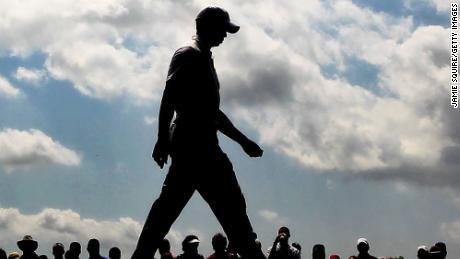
column 355, row 127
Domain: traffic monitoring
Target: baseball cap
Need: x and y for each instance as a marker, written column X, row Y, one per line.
column 362, row 240
column 219, row 17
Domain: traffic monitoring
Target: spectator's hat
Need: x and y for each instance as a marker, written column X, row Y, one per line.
column 190, row 239
column 27, row 243
column 217, row 16
column 362, row 240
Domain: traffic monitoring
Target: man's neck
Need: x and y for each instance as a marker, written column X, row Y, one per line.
column 203, row 45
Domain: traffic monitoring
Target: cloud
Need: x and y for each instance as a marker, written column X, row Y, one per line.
column 8, row 90
column 451, row 231
column 272, row 75
column 33, row 76
column 26, row 149
column 272, row 217
column 54, row 225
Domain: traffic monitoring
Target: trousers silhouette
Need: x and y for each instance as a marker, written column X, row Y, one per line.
column 216, row 182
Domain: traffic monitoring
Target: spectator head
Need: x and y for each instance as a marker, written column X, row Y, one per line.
column 442, row 247
column 93, row 247
column 3, row 254
column 363, row 245
column 75, row 247
column 219, row 243
column 334, row 257
column 190, row 244
column 27, row 244
column 164, row 247
column 58, row 250
column 114, row 253
column 297, row 246
column 318, row 252
column 435, row 253
column 422, row 252
column 283, row 235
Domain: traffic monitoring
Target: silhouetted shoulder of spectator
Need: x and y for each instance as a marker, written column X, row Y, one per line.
column 190, row 256
column 43, row 257
column 3, row 254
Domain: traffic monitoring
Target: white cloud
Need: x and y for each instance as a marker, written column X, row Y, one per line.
column 33, row 76
column 54, row 225
column 272, row 217
column 451, row 231
column 26, row 149
column 8, row 90
column 272, row 73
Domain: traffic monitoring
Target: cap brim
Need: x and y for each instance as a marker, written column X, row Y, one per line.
column 193, row 241
column 232, row 28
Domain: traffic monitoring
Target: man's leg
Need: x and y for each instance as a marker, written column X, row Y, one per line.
column 220, row 188
column 176, row 192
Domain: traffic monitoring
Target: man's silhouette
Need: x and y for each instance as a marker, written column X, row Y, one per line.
column 281, row 248
column 198, row 163
column 58, row 251
column 93, row 249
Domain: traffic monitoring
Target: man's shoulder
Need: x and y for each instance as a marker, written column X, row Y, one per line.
column 186, row 52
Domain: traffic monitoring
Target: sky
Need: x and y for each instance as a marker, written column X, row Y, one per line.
column 348, row 99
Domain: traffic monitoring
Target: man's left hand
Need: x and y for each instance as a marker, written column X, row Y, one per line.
column 252, row 149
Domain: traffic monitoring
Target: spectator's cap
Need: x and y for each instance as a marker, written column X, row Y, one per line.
column 27, row 243
column 284, row 230
column 424, row 248
column 362, row 240
column 334, row 257
column 190, row 239
column 218, row 16
column 435, row 250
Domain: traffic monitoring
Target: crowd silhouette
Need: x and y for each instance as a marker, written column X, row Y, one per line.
column 281, row 249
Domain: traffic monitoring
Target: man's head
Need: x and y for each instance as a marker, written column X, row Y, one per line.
column 212, row 25
column 442, row 247
column 164, row 247
column 219, row 243
column 283, row 235
column 114, row 253
column 422, row 252
column 75, row 248
column 93, row 247
column 190, row 244
column 58, row 250
column 27, row 244
column 318, row 252
column 363, row 245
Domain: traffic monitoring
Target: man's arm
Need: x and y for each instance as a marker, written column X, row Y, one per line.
column 161, row 149
column 227, row 128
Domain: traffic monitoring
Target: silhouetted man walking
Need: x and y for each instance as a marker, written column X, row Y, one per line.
column 198, row 163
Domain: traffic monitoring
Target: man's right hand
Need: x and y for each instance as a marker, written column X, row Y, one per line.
column 160, row 153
